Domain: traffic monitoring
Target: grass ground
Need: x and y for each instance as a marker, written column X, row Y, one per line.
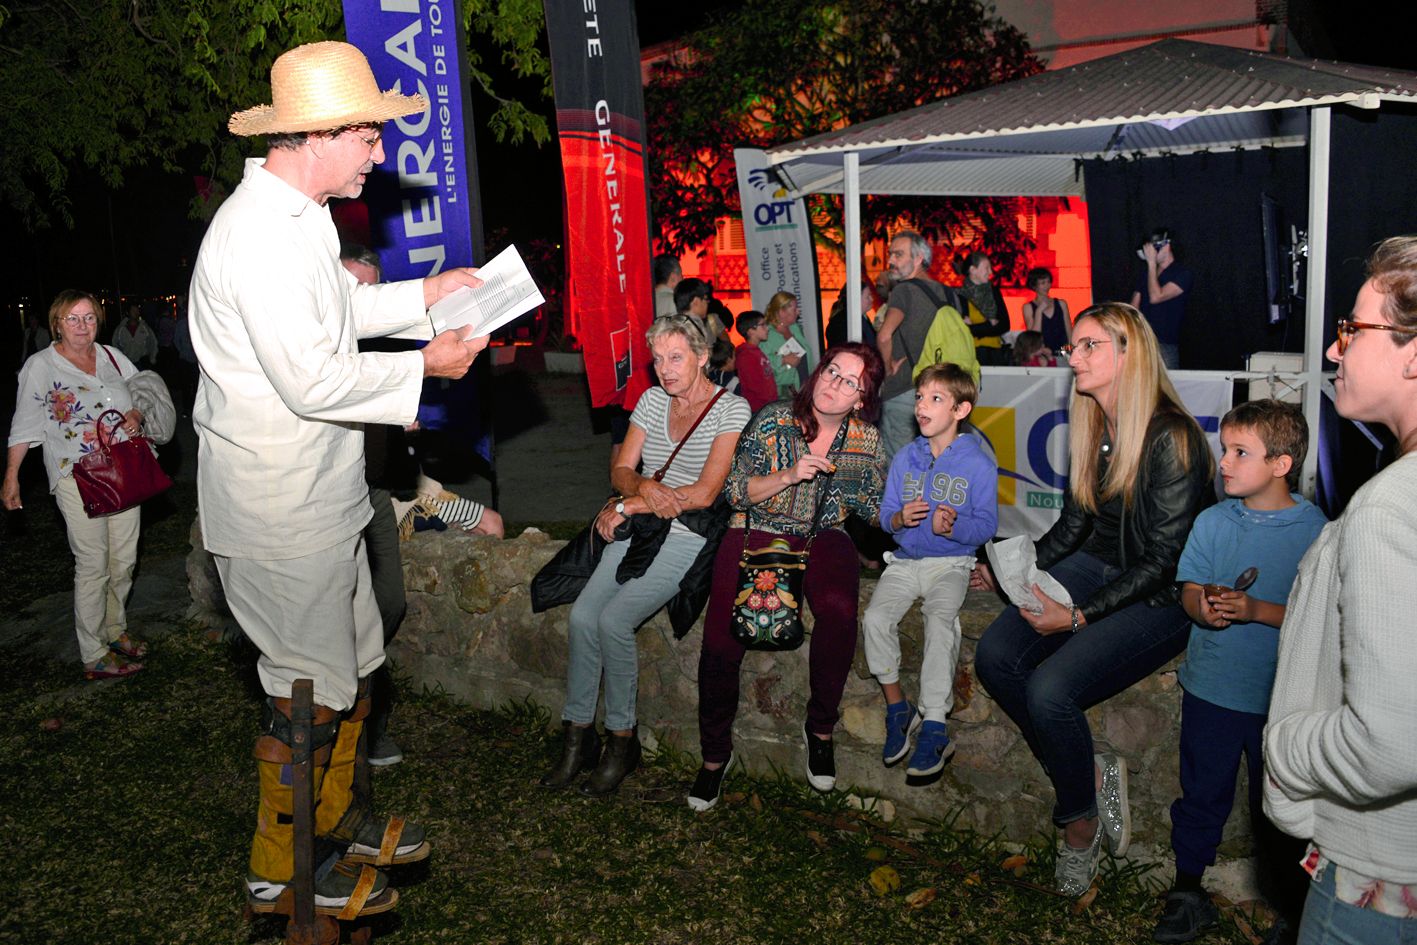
column 128, row 808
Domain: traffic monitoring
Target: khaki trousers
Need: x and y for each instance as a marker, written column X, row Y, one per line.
column 105, row 553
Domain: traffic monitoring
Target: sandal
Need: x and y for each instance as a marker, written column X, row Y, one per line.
column 127, row 646
column 112, row 666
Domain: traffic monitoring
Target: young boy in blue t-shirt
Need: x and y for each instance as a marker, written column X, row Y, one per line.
column 940, row 505
column 1230, row 661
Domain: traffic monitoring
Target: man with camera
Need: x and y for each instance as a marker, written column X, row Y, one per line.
column 1162, row 291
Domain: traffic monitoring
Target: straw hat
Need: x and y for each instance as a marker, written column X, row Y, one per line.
column 319, row 87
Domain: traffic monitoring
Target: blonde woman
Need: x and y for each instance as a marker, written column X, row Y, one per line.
column 1140, row 472
column 786, row 346
column 64, row 389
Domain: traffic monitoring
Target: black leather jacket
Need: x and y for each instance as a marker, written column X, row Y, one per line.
column 1153, row 530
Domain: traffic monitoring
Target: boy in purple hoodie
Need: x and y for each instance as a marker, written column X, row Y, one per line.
column 940, row 505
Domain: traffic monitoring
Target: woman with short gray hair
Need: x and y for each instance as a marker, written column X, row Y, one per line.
column 660, row 529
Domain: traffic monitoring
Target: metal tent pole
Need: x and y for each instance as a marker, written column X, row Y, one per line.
column 1320, row 120
column 851, row 222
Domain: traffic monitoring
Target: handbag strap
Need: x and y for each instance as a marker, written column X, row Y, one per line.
column 105, row 436
column 111, row 360
column 659, row 473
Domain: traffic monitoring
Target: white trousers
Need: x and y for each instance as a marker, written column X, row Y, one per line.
column 941, row 584
column 105, row 553
column 311, row 617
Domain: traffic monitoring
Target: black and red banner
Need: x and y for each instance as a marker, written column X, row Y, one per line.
column 595, row 68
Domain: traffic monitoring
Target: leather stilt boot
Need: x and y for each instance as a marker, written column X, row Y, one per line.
column 580, row 750
column 622, row 755
column 273, row 845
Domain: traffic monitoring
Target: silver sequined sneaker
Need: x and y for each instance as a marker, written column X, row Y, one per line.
column 1076, row 869
column 1113, row 808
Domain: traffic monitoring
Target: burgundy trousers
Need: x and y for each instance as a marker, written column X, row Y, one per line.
column 830, row 585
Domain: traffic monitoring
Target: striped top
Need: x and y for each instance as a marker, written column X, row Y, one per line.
column 651, row 414
column 774, row 441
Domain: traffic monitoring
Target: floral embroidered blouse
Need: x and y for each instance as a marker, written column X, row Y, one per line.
column 58, row 404
column 773, row 441
column 1359, row 889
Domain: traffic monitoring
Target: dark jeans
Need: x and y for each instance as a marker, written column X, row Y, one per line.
column 381, row 541
column 830, row 585
column 1046, row 683
column 1213, row 738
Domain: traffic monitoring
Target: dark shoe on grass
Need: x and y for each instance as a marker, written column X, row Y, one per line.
column 622, row 755
column 708, row 786
column 580, row 750
column 821, row 761
column 1186, row 916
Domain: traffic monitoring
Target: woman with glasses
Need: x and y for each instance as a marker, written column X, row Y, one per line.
column 802, row 466
column 1140, row 471
column 63, row 391
column 1339, row 745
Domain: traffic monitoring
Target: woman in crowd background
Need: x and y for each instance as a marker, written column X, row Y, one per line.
column 1044, row 314
column 1140, row 472
column 1339, row 746
column 642, row 567
column 63, row 391
column 802, row 466
column 786, row 346
column 983, row 307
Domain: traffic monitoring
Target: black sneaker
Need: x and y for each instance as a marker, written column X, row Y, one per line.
column 708, row 786
column 384, row 752
column 821, row 761
column 1187, row 915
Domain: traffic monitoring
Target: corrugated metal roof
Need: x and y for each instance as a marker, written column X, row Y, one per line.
column 1167, row 80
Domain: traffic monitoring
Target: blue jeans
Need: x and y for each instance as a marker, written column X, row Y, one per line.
column 602, row 629
column 898, row 422
column 1046, row 683
column 1327, row 921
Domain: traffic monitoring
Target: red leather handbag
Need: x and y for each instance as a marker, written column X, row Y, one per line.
column 117, row 476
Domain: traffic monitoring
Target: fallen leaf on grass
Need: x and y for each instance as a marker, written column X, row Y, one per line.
column 756, row 802
column 973, row 879
column 1085, row 900
column 876, row 854
column 735, row 797
column 921, row 898
column 818, row 839
column 1016, row 864
column 884, row 880
column 52, row 724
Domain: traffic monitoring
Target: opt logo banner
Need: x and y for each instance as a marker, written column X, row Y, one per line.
column 781, row 257
column 1023, row 413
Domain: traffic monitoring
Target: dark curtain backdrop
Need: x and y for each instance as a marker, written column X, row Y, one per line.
column 1211, row 204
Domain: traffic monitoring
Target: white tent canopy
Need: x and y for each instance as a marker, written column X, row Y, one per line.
column 1027, row 137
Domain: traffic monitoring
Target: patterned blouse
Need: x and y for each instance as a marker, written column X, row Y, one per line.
column 58, row 404
column 773, row 441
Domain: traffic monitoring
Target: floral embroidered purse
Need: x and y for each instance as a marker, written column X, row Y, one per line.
column 767, row 608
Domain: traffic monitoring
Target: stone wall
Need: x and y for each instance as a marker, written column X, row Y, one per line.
column 470, row 630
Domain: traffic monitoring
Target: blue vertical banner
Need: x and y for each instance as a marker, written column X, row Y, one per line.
column 423, row 211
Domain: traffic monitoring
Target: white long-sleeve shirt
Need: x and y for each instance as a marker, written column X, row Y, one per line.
column 139, row 344
column 275, row 320
column 1341, row 744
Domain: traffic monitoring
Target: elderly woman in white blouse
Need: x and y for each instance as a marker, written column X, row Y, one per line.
column 64, row 388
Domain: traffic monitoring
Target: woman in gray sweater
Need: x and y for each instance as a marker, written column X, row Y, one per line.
column 1341, row 744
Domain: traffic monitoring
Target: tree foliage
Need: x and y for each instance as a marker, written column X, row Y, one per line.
column 775, row 71
column 107, row 85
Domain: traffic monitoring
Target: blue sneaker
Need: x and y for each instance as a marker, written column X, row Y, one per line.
column 902, row 720
column 932, row 749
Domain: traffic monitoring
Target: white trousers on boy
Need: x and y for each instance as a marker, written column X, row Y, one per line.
column 940, row 583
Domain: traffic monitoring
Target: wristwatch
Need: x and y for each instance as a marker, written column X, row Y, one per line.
column 620, row 506
column 1076, row 617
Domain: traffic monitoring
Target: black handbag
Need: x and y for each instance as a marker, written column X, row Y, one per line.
column 767, row 605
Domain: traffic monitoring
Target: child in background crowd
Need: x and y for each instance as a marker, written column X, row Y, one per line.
column 722, row 366
column 1231, row 658
column 756, row 383
column 940, row 504
column 1029, row 351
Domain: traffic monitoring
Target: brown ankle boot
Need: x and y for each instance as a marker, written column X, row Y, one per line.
column 580, row 750
column 622, row 755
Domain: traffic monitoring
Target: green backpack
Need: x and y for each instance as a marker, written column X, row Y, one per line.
column 948, row 339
